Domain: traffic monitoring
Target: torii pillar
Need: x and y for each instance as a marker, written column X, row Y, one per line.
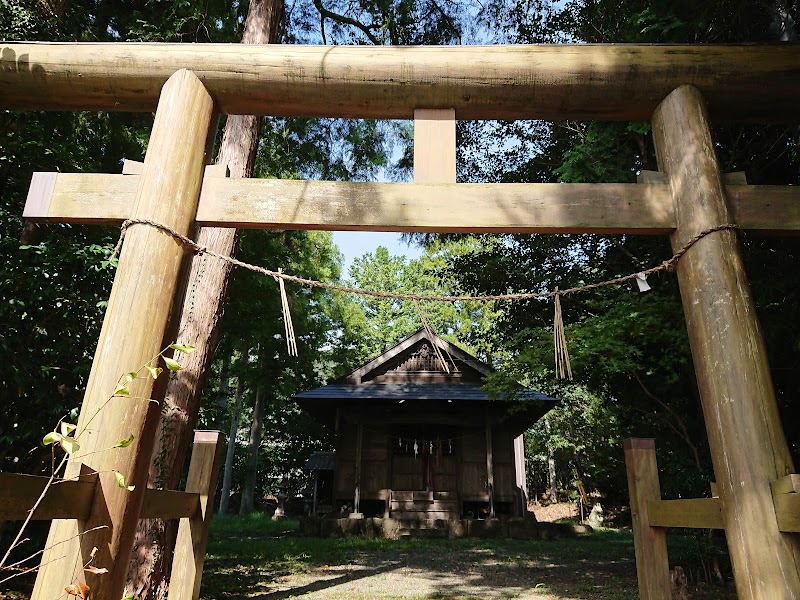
column 135, row 329
column 748, row 446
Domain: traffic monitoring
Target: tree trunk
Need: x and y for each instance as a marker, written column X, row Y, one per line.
column 551, row 478
column 148, row 573
column 254, row 445
column 552, row 485
column 224, row 391
column 227, row 478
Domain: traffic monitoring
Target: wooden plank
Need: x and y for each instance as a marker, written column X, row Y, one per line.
column 787, row 510
column 169, row 504
column 132, row 167
column 730, row 359
column 64, row 499
column 81, row 198
column 788, row 484
column 490, row 208
column 190, row 547
column 580, row 81
column 650, row 543
column 696, row 513
column 435, row 146
column 765, row 208
column 134, row 331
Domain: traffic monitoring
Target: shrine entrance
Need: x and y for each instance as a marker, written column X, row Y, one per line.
column 689, row 200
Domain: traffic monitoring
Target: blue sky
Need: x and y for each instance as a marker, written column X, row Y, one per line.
column 354, row 244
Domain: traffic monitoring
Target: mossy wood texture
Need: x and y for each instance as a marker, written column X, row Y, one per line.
column 747, row 443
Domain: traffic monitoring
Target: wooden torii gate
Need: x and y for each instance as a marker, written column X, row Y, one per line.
column 668, row 84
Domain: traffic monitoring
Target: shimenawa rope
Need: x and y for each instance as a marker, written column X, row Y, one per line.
column 562, row 360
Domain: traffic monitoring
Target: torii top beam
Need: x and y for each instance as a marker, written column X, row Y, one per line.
column 588, row 82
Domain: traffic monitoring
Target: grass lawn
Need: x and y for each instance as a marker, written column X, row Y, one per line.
column 252, row 557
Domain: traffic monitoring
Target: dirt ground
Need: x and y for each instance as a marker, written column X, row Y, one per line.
column 440, row 571
column 554, row 512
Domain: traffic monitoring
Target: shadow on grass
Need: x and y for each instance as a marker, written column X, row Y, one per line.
column 256, row 558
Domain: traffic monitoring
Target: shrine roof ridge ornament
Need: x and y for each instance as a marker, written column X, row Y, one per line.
column 581, row 81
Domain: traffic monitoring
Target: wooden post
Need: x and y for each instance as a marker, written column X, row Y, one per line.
column 190, row 547
column 519, row 473
column 135, row 329
column 489, row 466
column 748, row 446
column 359, row 441
column 652, row 562
column 434, row 146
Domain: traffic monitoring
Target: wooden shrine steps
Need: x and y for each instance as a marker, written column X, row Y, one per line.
column 423, row 506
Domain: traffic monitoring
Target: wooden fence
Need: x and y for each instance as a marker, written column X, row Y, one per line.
column 73, row 499
column 651, row 515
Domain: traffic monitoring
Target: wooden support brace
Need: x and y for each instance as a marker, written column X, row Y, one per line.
column 786, row 496
column 67, row 499
column 650, row 542
column 434, row 146
column 693, row 513
column 63, row 500
column 190, row 547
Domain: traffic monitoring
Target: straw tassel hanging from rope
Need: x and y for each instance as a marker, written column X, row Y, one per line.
column 288, row 326
column 563, row 367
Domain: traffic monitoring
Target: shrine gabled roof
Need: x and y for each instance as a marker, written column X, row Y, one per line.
column 394, row 392
column 453, row 354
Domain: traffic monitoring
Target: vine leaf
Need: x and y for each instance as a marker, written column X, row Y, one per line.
column 122, row 390
column 124, row 443
column 67, row 428
column 185, row 348
column 172, row 365
column 155, row 371
column 121, row 481
column 51, row 438
column 69, row 444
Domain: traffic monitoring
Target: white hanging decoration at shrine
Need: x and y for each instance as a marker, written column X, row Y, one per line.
column 416, row 448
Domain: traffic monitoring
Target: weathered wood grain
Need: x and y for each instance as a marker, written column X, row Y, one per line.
column 580, row 81
column 747, row 443
column 135, row 329
column 650, row 543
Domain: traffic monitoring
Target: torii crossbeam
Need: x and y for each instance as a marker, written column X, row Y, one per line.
column 668, row 84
